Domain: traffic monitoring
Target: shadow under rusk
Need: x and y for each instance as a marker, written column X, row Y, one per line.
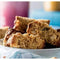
column 58, row 30
column 49, row 46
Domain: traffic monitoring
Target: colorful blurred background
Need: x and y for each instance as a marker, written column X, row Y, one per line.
column 37, row 10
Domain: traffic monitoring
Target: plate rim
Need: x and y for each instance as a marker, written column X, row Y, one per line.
column 30, row 49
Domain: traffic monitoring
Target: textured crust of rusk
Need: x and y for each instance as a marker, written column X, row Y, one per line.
column 25, row 41
column 21, row 23
column 46, row 32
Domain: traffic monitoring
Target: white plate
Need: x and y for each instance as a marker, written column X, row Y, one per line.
column 42, row 52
